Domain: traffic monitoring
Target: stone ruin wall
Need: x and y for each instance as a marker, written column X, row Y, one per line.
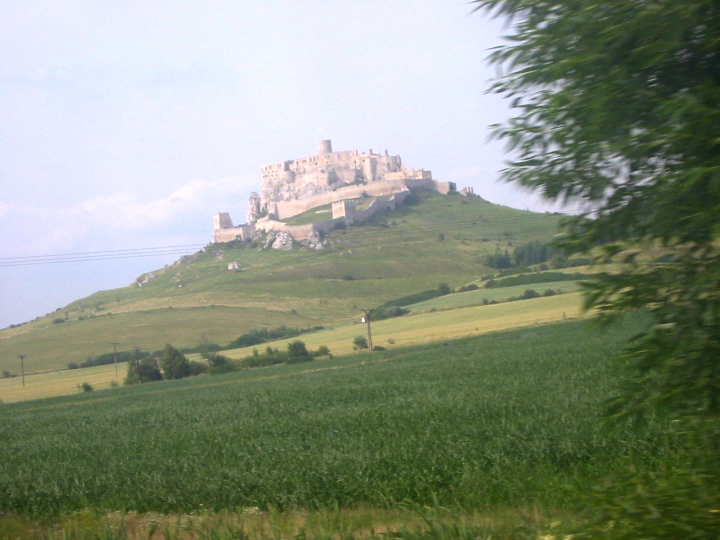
column 293, row 187
column 328, row 171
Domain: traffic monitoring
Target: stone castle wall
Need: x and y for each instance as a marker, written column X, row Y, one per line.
column 293, row 187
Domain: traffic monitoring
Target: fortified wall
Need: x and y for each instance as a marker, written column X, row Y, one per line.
column 293, row 187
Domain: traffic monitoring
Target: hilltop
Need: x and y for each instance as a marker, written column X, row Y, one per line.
column 227, row 289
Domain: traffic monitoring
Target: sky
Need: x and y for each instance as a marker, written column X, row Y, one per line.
column 127, row 125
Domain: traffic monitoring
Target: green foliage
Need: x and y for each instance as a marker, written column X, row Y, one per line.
column 173, row 363
column 297, row 352
column 263, row 335
column 618, row 106
column 534, row 277
column 392, row 308
column 218, row 363
column 86, row 387
column 499, row 260
column 360, row 342
column 378, row 314
column 322, row 350
column 104, row 359
column 142, row 370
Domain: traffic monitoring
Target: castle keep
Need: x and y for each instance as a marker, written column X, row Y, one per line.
column 338, row 178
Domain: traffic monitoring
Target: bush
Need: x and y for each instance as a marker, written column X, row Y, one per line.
column 86, row 387
column 530, row 293
column 322, row 351
column 143, row 370
column 444, row 289
column 297, row 352
column 378, row 314
column 217, row 363
column 173, row 363
column 58, row 321
column 360, row 342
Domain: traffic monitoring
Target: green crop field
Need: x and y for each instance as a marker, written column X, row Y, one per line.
column 500, row 294
column 407, row 330
column 502, row 421
column 437, row 240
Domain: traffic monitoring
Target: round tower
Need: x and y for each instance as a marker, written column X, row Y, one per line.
column 325, row 147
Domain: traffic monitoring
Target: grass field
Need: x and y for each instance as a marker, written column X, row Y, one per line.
column 398, row 253
column 488, row 423
column 407, row 330
column 479, row 296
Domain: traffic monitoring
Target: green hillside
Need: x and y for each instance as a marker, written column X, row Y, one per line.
column 439, row 239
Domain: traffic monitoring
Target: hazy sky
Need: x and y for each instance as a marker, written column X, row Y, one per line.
column 129, row 124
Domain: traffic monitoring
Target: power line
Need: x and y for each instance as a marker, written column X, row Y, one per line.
column 357, row 233
column 98, row 255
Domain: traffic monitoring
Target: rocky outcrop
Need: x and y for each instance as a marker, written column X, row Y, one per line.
column 283, row 241
column 278, row 240
column 314, row 241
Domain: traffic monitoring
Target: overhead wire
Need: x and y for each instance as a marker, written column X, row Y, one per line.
column 358, row 233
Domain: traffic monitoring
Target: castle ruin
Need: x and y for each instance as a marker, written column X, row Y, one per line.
column 337, row 178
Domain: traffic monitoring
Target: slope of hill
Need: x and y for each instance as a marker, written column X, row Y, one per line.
column 439, row 239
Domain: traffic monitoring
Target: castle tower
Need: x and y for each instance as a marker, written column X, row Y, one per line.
column 325, row 147
column 253, row 211
column 222, row 221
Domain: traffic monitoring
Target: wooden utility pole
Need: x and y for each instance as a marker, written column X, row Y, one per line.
column 115, row 356
column 22, row 367
column 137, row 362
column 367, row 320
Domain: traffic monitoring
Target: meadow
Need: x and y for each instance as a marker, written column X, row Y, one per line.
column 389, row 333
column 438, row 240
column 504, row 422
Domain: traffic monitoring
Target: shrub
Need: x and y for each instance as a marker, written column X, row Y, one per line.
column 444, row 289
column 173, row 363
column 297, row 352
column 360, row 342
column 58, row 320
column 86, row 387
column 142, row 371
column 197, row 368
column 217, row 363
column 530, row 293
column 322, row 351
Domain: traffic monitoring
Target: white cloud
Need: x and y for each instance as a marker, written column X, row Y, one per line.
column 119, row 218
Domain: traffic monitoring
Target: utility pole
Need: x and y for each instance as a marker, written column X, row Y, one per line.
column 22, row 367
column 115, row 356
column 366, row 319
column 137, row 362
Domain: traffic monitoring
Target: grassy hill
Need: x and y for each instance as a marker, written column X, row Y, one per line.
column 439, row 239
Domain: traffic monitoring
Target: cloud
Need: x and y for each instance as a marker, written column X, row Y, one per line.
column 119, row 218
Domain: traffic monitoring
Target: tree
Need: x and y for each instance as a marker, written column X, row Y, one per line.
column 623, row 115
column 618, row 110
column 360, row 342
column 297, row 352
column 173, row 363
column 142, row 370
